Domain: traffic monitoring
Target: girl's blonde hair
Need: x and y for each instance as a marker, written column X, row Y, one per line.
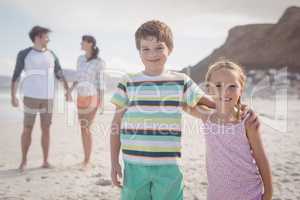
column 227, row 64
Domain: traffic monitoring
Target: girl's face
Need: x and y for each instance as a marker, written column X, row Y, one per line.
column 153, row 53
column 86, row 46
column 226, row 88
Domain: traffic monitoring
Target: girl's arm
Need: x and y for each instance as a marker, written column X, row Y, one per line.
column 253, row 134
column 100, row 85
column 100, row 95
column 73, row 86
column 69, row 92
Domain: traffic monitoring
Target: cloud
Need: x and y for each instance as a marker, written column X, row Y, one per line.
column 198, row 25
column 100, row 15
column 6, row 66
column 192, row 18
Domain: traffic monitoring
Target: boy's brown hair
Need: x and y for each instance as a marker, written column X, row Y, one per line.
column 157, row 29
column 37, row 31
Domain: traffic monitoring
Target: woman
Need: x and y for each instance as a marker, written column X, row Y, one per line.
column 89, row 93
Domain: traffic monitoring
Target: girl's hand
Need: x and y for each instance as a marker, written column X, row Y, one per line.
column 266, row 197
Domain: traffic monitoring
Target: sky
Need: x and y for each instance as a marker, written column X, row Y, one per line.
column 198, row 27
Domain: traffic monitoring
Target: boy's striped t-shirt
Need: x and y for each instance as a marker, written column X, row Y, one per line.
column 151, row 126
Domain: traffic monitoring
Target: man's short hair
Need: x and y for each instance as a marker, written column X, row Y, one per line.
column 37, row 31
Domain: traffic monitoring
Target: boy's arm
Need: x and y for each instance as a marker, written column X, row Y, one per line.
column 19, row 67
column 115, row 143
column 73, row 86
column 198, row 111
column 208, row 101
column 195, row 101
column 115, row 146
column 65, row 83
column 100, row 80
column 193, row 95
column 253, row 134
column 68, row 95
column 60, row 76
column 13, row 92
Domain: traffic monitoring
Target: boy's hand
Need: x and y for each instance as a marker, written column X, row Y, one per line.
column 252, row 121
column 116, row 174
column 14, row 102
column 208, row 101
column 68, row 96
column 245, row 110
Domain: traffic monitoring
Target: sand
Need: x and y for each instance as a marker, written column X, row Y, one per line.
column 67, row 181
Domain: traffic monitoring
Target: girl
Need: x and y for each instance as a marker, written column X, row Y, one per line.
column 89, row 92
column 237, row 166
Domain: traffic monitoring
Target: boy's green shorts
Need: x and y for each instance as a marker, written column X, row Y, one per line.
column 161, row 182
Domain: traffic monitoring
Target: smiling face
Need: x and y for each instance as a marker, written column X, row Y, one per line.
column 153, row 53
column 225, row 86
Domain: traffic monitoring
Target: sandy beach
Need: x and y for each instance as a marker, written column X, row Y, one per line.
column 66, row 181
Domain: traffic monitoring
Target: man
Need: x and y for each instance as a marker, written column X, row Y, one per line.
column 41, row 67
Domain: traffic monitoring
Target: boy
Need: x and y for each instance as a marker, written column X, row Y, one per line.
column 41, row 66
column 147, row 121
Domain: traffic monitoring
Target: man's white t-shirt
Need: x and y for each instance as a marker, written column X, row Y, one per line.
column 40, row 73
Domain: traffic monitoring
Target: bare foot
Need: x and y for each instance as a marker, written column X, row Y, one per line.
column 22, row 167
column 47, row 165
column 85, row 166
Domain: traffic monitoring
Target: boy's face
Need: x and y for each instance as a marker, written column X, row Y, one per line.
column 42, row 39
column 153, row 53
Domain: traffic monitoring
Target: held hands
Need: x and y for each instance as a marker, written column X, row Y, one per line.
column 68, row 95
column 116, row 174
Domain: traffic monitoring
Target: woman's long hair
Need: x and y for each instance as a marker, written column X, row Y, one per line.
column 95, row 49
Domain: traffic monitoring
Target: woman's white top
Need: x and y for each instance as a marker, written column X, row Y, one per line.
column 89, row 76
